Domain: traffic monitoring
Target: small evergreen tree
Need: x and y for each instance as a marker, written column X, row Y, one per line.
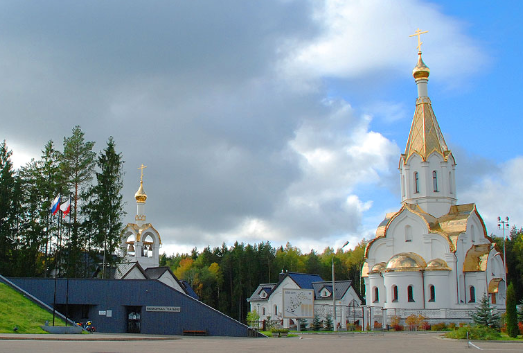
column 316, row 323
column 328, row 323
column 303, row 324
column 485, row 315
column 512, row 315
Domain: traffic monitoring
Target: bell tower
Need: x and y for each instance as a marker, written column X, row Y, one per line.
column 427, row 167
column 140, row 241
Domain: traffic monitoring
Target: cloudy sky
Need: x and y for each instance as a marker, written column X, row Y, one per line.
column 273, row 120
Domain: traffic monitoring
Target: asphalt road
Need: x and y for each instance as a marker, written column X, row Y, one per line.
column 388, row 342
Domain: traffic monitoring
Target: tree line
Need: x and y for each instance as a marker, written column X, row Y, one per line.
column 33, row 241
column 224, row 277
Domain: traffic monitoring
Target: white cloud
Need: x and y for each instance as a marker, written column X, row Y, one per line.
column 496, row 193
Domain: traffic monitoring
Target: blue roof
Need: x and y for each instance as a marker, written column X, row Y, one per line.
column 303, row 280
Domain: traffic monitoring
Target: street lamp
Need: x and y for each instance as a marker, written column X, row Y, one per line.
column 502, row 224
column 334, row 290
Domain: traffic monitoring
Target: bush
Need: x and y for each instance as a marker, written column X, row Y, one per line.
column 425, row 326
column 395, row 320
column 512, row 312
column 377, row 324
column 398, row 327
column 440, row 327
column 520, row 327
column 475, row 333
column 452, row 326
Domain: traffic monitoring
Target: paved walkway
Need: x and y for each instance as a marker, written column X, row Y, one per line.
column 399, row 342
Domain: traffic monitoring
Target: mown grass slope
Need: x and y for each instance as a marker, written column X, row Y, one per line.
column 18, row 311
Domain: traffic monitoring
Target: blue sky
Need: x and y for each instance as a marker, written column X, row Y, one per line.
column 275, row 121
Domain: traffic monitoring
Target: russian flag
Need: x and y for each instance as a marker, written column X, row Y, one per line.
column 66, row 208
column 55, row 205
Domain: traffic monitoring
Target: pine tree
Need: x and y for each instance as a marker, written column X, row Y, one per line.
column 316, row 323
column 511, row 313
column 328, row 323
column 485, row 314
column 77, row 164
column 105, row 210
column 8, row 221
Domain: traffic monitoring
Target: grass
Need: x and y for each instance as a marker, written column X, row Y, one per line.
column 18, row 311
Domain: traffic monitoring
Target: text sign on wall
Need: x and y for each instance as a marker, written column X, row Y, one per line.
column 163, row 309
column 298, row 303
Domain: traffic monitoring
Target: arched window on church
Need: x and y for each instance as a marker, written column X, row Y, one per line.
column 472, row 233
column 416, row 182
column 410, row 294
column 408, row 233
column 450, row 182
column 435, row 180
column 472, row 294
column 263, row 311
column 275, row 310
column 394, row 293
column 432, row 293
column 376, row 294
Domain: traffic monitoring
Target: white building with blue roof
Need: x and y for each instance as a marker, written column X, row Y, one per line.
column 268, row 299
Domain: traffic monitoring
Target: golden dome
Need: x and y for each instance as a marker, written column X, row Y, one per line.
column 421, row 71
column 140, row 195
column 379, row 267
column 437, row 265
column 407, row 261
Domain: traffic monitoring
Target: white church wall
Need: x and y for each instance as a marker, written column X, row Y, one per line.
column 375, row 280
column 442, row 292
column 402, row 280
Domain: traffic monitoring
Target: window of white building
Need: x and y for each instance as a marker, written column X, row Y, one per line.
column 394, row 293
column 432, row 293
column 416, row 182
column 410, row 294
column 376, row 294
column 472, row 291
column 435, row 180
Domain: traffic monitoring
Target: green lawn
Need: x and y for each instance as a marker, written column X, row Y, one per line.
column 16, row 310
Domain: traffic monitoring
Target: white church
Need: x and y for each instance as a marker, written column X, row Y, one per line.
column 432, row 257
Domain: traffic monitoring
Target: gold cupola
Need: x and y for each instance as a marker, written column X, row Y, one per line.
column 421, row 71
column 140, row 195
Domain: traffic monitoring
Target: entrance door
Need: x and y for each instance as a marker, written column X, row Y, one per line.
column 133, row 319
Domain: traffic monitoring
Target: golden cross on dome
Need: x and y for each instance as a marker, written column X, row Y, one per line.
column 419, row 33
column 141, row 176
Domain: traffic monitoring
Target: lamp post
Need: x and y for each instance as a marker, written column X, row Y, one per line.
column 502, row 224
column 334, row 290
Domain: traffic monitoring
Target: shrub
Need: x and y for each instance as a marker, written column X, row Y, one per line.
column 475, row 333
column 395, row 320
column 398, row 327
column 377, row 324
column 520, row 327
column 440, row 327
column 452, row 326
column 512, row 312
column 425, row 326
